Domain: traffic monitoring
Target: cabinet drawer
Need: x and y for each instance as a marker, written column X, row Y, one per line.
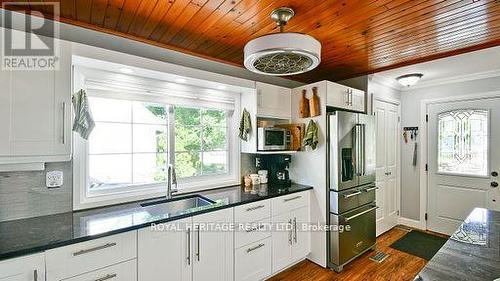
column 88, row 256
column 252, row 212
column 253, row 262
column 290, row 202
column 125, row 271
column 246, row 233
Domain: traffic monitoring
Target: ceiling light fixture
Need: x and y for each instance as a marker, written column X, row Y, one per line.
column 283, row 53
column 409, row 79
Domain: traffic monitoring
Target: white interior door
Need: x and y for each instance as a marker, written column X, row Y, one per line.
column 387, row 196
column 463, row 157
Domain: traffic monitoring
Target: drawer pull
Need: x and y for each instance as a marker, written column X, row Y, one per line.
column 360, row 214
column 82, row 252
column 107, row 277
column 371, row 189
column 256, row 228
column 291, row 199
column 352, row 194
column 35, row 275
column 255, row 248
column 255, row 208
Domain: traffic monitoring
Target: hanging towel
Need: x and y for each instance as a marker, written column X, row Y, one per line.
column 245, row 125
column 311, row 138
column 83, row 123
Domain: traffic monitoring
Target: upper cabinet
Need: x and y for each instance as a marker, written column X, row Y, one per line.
column 273, row 101
column 344, row 97
column 35, row 113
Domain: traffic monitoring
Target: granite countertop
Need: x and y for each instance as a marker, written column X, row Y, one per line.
column 471, row 253
column 27, row 236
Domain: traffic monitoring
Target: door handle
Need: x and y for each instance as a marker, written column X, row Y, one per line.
column 494, row 184
column 295, row 230
column 63, row 123
column 35, row 275
column 188, row 258
column 198, row 243
column 290, row 232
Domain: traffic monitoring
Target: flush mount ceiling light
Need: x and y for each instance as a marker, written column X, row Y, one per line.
column 409, row 79
column 284, row 53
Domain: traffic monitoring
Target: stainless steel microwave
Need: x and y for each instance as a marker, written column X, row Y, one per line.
column 271, row 138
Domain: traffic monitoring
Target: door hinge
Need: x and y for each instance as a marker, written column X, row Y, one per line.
column 425, row 216
column 426, row 117
column 397, row 213
column 426, row 167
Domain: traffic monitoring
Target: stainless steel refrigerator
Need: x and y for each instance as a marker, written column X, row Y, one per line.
column 351, row 183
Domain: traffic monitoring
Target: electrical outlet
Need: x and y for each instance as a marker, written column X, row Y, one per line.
column 54, row 179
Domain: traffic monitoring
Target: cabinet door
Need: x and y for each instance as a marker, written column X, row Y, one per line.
column 357, row 100
column 301, row 236
column 5, row 97
column 253, row 261
column 282, row 241
column 338, row 96
column 213, row 246
column 273, row 101
column 165, row 252
column 30, row 268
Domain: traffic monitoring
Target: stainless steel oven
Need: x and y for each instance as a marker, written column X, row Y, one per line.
column 270, row 138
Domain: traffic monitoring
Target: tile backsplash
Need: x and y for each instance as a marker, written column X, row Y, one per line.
column 24, row 194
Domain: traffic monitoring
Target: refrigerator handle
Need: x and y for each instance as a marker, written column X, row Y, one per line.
column 357, row 150
column 363, row 149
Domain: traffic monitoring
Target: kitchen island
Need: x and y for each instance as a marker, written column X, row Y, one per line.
column 471, row 253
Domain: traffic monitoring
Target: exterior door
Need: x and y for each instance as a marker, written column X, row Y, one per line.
column 387, row 139
column 463, row 161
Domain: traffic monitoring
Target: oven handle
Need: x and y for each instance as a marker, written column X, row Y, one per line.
column 352, row 194
column 360, row 214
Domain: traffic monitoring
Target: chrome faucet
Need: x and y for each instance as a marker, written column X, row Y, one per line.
column 171, row 180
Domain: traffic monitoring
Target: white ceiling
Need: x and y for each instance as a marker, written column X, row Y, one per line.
column 484, row 62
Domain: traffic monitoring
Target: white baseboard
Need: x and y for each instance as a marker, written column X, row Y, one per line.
column 412, row 223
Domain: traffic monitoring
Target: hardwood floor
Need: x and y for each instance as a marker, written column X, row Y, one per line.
column 398, row 266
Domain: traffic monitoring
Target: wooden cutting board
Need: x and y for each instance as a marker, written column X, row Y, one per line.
column 314, row 105
column 304, row 105
column 297, row 131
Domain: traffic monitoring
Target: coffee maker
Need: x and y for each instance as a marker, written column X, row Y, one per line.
column 277, row 166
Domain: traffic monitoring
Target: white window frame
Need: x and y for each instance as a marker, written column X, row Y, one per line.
column 81, row 198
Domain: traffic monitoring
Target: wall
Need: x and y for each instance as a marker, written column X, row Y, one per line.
column 411, row 100
column 24, row 194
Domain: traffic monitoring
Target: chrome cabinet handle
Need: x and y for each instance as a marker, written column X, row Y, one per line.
column 82, row 252
column 290, row 232
column 63, row 123
column 35, row 275
column 360, row 214
column 255, row 208
column 107, row 277
column 295, row 230
column 188, row 258
column 255, row 248
column 261, row 226
column 198, row 243
column 290, row 199
column 352, row 194
column 371, row 189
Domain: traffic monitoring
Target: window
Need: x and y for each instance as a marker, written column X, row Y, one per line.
column 137, row 136
column 463, row 142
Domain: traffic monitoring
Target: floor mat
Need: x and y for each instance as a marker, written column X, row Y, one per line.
column 420, row 244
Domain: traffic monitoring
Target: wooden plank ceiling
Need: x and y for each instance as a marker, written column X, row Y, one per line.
column 357, row 36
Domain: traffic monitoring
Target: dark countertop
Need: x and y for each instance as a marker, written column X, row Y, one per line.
column 27, row 236
column 471, row 253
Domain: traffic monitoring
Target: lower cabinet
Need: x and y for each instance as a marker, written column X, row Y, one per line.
column 29, row 268
column 290, row 241
column 126, row 271
column 197, row 248
column 253, row 261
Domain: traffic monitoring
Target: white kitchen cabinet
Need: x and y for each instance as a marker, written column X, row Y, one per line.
column 273, row 101
column 28, row 268
column 163, row 251
column 290, row 241
column 253, row 261
column 213, row 248
column 344, row 97
column 35, row 111
column 197, row 248
column 125, row 271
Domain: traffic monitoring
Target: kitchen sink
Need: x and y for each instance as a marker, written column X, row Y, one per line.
column 177, row 206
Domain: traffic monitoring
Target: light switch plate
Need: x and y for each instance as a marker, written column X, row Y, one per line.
column 54, row 179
